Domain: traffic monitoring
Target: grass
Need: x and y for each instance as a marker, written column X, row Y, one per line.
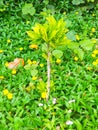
column 74, row 87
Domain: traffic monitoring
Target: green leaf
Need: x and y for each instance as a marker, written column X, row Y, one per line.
column 71, row 35
column 80, row 53
column 57, row 53
column 44, row 47
column 77, row 2
column 78, row 125
column 86, row 44
column 34, row 72
column 28, row 9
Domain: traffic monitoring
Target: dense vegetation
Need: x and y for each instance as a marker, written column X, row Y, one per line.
column 33, row 35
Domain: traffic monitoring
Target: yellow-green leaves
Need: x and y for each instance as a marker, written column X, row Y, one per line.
column 51, row 32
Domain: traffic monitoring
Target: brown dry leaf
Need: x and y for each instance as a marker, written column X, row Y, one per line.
column 16, row 63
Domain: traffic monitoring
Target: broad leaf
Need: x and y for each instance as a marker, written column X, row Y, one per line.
column 57, row 53
column 34, row 72
column 71, row 35
column 86, row 44
column 28, row 9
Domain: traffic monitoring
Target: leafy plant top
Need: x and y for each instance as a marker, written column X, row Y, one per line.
column 51, row 32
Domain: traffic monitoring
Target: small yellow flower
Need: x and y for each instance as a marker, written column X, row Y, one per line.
column 76, row 58
column 89, row 68
column 6, row 64
column 8, row 41
column 27, row 22
column 93, row 14
column 43, row 95
column 41, row 65
column 1, row 77
column 94, row 63
column 21, row 48
column 1, row 51
column 33, row 46
column 58, row 61
column 93, row 30
column 77, row 37
column 64, row 12
column 94, row 41
column 29, row 61
column 91, row 34
column 34, row 62
column 97, row 61
column 34, row 78
column 10, row 96
column 77, row 12
column 5, row 92
column 14, row 71
column 95, row 52
column 93, row 55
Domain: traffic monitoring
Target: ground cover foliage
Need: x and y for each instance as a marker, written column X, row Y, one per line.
column 73, row 98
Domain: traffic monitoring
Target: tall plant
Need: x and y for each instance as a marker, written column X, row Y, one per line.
column 50, row 35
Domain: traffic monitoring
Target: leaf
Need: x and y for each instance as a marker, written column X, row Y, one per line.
column 41, row 86
column 31, row 34
column 71, row 35
column 28, row 9
column 86, row 44
column 80, row 53
column 57, row 53
column 77, row 2
column 78, row 125
column 34, row 72
column 30, row 67
column 44, row 47
column 16, row 63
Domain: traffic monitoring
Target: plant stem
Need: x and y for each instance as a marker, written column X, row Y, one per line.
column 48, row 72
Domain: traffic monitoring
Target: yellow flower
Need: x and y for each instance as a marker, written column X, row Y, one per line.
column 8, row 41
column 77, row 12
column 27, row 22
column 58, row 61
column 10, row 96
column 1, row 51
column 64, row 12
column 77, row 37
column 93, row 14
column 41, row 65
column 76, row 58
column 95, row 52
column 34, row 62
column 29, row 61
column 93, row 30
column 5, row 92
column 43, row 95
column 21, row 48
column 34, row 78
column 94, row 63
column 14, row 71
column 6, row 64
column 89, row 68
column 97, row 61
column 94, row 41
column 1, row 77
column 33, row 46
column 93, row 55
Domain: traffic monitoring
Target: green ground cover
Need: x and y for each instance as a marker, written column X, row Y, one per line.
column 73, row 100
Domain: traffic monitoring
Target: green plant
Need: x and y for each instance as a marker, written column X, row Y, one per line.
column 50, row 35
